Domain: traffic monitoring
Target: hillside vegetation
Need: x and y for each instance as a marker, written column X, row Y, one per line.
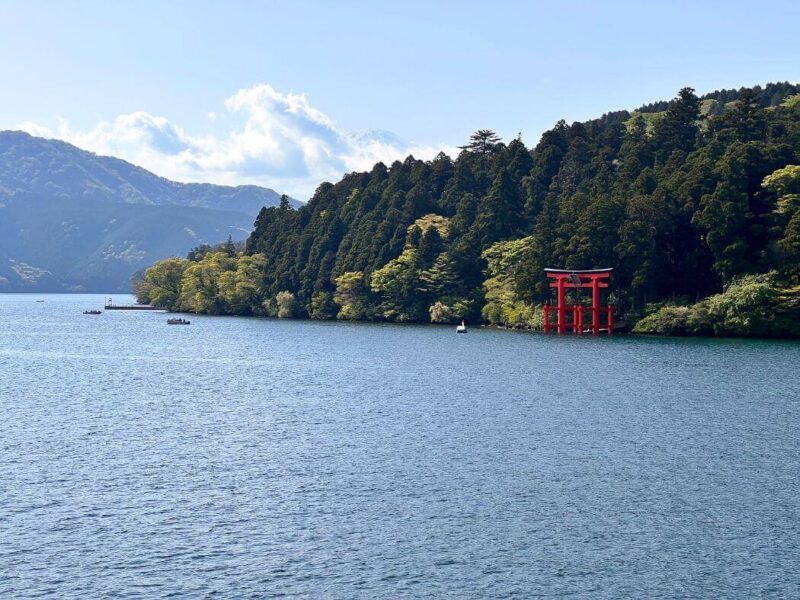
column 682, row 204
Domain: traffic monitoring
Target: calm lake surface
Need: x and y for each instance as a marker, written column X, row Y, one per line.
column 251, row 458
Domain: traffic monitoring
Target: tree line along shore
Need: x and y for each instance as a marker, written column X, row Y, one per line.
column 695, row 202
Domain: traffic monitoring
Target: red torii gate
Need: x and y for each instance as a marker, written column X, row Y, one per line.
column 593, row 279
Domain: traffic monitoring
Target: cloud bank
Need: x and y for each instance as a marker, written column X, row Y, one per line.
column 260, row 136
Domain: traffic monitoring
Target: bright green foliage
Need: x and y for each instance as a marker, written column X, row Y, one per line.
column 215, row 283
column 161, row 284
column 792, row 101
column 754, row 305
column 668, row 320
column 396, row 282
column 438, row 222
column 202, row 288
column 239, row 289
column 440, row 279
column 785, row 183
column 503, row 305
column 463, row 308
column 746, row 307
column 351, row 296
column 645, row 120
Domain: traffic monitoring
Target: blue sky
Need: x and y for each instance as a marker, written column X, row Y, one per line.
column 287, row 94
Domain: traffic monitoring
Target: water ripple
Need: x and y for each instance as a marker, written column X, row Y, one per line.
column 253, row 458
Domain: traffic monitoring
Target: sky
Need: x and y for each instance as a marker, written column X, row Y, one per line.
column 290, row 94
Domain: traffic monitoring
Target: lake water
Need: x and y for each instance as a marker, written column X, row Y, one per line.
column 251, row 458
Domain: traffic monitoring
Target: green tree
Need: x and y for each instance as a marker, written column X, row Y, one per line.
column 679, row 128
column 229, row 248
column 161, row 284
column 441, row 313
column 396, row 282
column 500, row 212
column 285, row 303
column 785, row 184
column 201, row 290
column 240, row 290
column 351, row 296
column 440, row 279
column 322, row 306
column 736, row 215
column 482, row 142
column 503, row 305
column 430, row 245
column 747, row 119
column 539, row 252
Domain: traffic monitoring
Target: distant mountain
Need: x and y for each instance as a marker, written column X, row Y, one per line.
column 74, row 221
column 56, row 169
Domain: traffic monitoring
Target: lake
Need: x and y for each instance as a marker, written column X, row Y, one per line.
column 251, row 458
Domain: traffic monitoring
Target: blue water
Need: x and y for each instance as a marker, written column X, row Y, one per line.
column 249, row 458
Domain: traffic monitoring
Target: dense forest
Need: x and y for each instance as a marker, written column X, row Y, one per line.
column 685, row 199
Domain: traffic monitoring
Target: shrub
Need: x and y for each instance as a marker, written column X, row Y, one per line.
column 285, row 303
column 753, row 305
column 441, row 313
column 668, row 320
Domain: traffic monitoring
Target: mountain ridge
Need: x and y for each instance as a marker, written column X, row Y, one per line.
column 112, row 179
column 72, row 220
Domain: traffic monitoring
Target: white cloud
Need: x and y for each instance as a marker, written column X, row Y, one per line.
column 260, row 137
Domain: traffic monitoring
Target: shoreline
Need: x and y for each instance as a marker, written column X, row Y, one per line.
column 626, row 332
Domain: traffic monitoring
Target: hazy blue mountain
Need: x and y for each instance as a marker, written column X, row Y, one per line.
column 74, row 221
column 56, row 169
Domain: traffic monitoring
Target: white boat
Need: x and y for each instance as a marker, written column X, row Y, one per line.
column 461, row 328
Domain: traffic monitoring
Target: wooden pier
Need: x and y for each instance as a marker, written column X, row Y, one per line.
column 111, row 306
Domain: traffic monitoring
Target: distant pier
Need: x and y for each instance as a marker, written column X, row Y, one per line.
column 111, row 306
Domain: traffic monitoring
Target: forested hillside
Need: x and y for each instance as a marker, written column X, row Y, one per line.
column 681, row 198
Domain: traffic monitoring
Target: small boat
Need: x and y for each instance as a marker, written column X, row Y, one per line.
column 93, row 312
column 40, row 301
column 178, row 322
column 461, row 328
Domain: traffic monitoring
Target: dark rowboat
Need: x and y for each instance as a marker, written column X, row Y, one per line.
column 178, row 322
